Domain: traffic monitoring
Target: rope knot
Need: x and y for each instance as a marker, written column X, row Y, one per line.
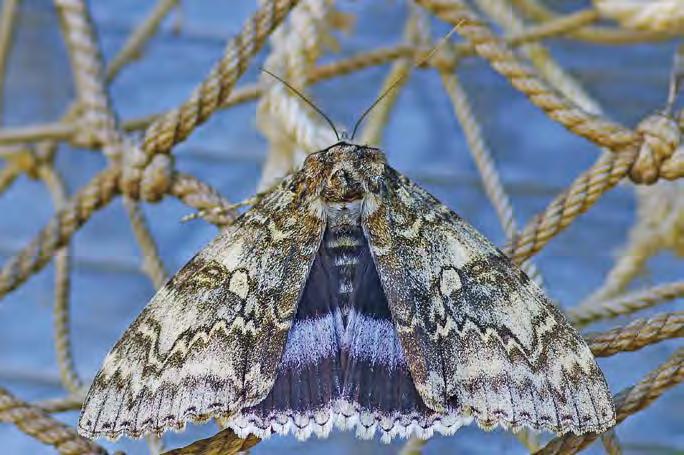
column 143, row 180
column 660, row 138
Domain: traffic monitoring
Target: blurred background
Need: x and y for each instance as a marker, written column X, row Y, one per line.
column 536, row 157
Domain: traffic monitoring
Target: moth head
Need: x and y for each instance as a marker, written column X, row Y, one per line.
column 345, row 172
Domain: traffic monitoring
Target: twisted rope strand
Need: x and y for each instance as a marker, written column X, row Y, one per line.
column 36, row 423
column 92, row 197
column 627, row 402
column 67, row 369
column 57, row 405
column 152, row 264
column 629, row 303
column 137, row 40
column 147, row 170
column 483, row 160
column 223, row 443
column 597, row 129
column 7, row 22
column 607, row 172
column 594, row 34
column 375, row 123
column 177, row 124
column 611, row 443
column 637, row 334
column 95, row 195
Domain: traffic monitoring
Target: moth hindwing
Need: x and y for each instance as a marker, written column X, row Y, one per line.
column 349, row 296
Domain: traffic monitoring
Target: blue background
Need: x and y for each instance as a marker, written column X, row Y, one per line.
column 537, row 159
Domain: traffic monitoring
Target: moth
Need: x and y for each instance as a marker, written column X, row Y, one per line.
column 349, row 296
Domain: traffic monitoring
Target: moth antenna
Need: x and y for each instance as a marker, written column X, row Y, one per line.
column 401, row 79
column 306, row 100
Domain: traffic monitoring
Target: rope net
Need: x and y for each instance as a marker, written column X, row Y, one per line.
column 509, row 36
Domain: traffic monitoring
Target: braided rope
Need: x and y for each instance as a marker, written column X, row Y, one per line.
column 656, row 15
column 98, row 125
column 611, row 444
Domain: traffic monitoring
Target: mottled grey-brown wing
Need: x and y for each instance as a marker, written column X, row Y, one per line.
column 208, row 343
column 480, row 337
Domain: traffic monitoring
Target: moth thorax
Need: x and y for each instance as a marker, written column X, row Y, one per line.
column 342, row 186
column 343, row 213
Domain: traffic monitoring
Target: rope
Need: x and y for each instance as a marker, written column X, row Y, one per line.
column 224, row 443
column 483, row 160
column 611, row 444
column 654, row 15
column 177, row 124
column 36, row 423
column 627, row 402
column 416, row 33
column 7, row 22
column 607, row 172
column 592, row 311
column 593, row 34
column 144, row 171
column 67, row 369
column 282, row 116
column 488, row 46
column 637, row 334
column 95, row 195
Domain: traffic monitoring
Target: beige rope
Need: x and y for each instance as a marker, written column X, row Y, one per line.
column 652, row 151
column 627, row 402
column 484, row 161
column 151, row 261
column 67, row 370
column 18, row 161
column 413, row 446
column 224, row 443
column 608, row 170
column 594, row 34
column 286, row 120
column 611, row 444
column 7, row 22
column 178, row 123
column 36, row 423
column 599, row 130
column 59, row 230
column 659, row 226
column 652, row 15
column 592, row 311
column 57, row 405
column 637, row 334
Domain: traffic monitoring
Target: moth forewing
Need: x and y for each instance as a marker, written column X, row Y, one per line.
column 210, row 340
column 479, row 336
